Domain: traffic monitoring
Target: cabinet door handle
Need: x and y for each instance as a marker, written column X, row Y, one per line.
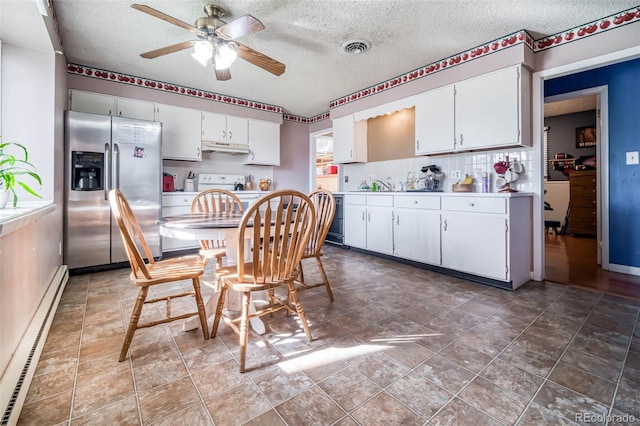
column 369, row 216
column 460, row 139
column 230, row 135
column 363, row 215
column 224, row 135
column 471, row 204
column 415, row 201
column 445, row 224
column 418, row 144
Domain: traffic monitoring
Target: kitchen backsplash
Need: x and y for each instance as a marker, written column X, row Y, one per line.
column 467, row 163
column 216, row 163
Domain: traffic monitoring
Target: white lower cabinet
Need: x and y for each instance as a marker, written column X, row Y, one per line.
column 367, row 222
column 355, row 222
column 485, row 236
column 380, row 229
column 475, row 243
column 174, row 204
column 416, row 228
column 488, row 236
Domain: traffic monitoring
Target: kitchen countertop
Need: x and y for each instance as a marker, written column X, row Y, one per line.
column 234, row 192
column 440, row 194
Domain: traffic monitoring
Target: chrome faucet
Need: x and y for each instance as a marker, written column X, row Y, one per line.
column 385, row 185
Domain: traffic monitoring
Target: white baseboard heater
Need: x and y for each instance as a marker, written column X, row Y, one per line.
column 17, row 377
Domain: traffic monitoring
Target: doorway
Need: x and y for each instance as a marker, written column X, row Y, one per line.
column 324, row 172
column 573, row 254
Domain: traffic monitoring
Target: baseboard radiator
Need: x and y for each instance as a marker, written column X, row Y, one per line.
column 17, row 377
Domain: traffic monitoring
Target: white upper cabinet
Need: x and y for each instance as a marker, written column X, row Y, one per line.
column 488, row 110
column 96, row 103
column 133, row 108
column 435, row 121
column 264, row 143
column 349, row 140
column 181, row 133
column 224, row 128
column 93, row 103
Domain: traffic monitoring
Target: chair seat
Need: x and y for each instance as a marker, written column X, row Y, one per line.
column 310, row 252
column 214, row 253
column 172, row 269
column 229, row 274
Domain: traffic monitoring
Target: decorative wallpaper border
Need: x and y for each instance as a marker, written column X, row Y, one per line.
column 522, row 36
column 519, row 37
column 167, row 87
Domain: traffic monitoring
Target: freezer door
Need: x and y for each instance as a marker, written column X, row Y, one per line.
column 87, row 221
column 137, row 171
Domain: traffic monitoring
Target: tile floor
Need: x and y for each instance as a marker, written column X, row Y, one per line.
column 399, row 345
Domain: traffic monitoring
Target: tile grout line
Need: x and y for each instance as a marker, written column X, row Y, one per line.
column 456, row 395
column 75, row 376
column 546, row 378
column 624, row 361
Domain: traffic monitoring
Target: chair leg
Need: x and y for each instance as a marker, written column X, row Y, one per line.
column 299, row 309
column 219, row 307
column 201, row 312
column 301, row 271
column 324, row 279
column 133, row 322
column 244, row 328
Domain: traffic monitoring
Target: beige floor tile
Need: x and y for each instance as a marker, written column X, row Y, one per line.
column 412, row 359
column 386, row 410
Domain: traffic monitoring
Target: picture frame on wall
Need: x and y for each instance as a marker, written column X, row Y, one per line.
column 585, row 136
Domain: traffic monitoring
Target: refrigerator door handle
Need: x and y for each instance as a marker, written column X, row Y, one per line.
column 107, row 177
column 116, row 166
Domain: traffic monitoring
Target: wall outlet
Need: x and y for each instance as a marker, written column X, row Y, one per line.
column 632, row 157
column 455, row 174
column 175, row 176
column 346, row 178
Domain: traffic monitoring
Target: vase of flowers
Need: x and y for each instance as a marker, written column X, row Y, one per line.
column 13, row 169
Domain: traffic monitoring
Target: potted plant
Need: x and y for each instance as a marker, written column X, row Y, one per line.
column 12, row 171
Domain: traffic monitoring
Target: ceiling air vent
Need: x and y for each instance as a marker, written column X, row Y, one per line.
column 356, row 47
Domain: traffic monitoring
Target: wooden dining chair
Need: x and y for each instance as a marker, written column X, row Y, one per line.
column 215, row 200
column 276, row 229
column 154, row 273
column 325, row 205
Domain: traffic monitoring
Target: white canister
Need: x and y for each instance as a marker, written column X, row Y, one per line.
column 189, row 185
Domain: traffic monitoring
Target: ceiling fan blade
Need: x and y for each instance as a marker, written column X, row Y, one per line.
column 170, row 19
column 244, row 25
column 260, row 60
column 168, row 49
column 223, row 75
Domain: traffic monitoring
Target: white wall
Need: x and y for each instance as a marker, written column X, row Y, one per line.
column 27, row 110
column 33, row 96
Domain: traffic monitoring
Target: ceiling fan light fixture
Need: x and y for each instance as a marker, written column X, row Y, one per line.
column 225, row 56
column 202, row 52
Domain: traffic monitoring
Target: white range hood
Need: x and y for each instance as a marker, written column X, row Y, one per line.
column 227, row 148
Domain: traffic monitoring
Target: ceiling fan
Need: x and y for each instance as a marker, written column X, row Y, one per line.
column 216, row 41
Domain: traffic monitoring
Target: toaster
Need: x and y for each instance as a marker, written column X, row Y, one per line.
column 167, row 183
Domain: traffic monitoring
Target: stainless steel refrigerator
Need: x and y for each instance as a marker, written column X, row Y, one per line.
column 103, row 153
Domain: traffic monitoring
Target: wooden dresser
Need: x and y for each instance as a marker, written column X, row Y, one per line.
column 583, row 217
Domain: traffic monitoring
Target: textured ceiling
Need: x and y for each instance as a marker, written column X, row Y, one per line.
column 307, row 35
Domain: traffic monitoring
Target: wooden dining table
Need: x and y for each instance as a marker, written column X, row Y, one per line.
column 211, row 226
